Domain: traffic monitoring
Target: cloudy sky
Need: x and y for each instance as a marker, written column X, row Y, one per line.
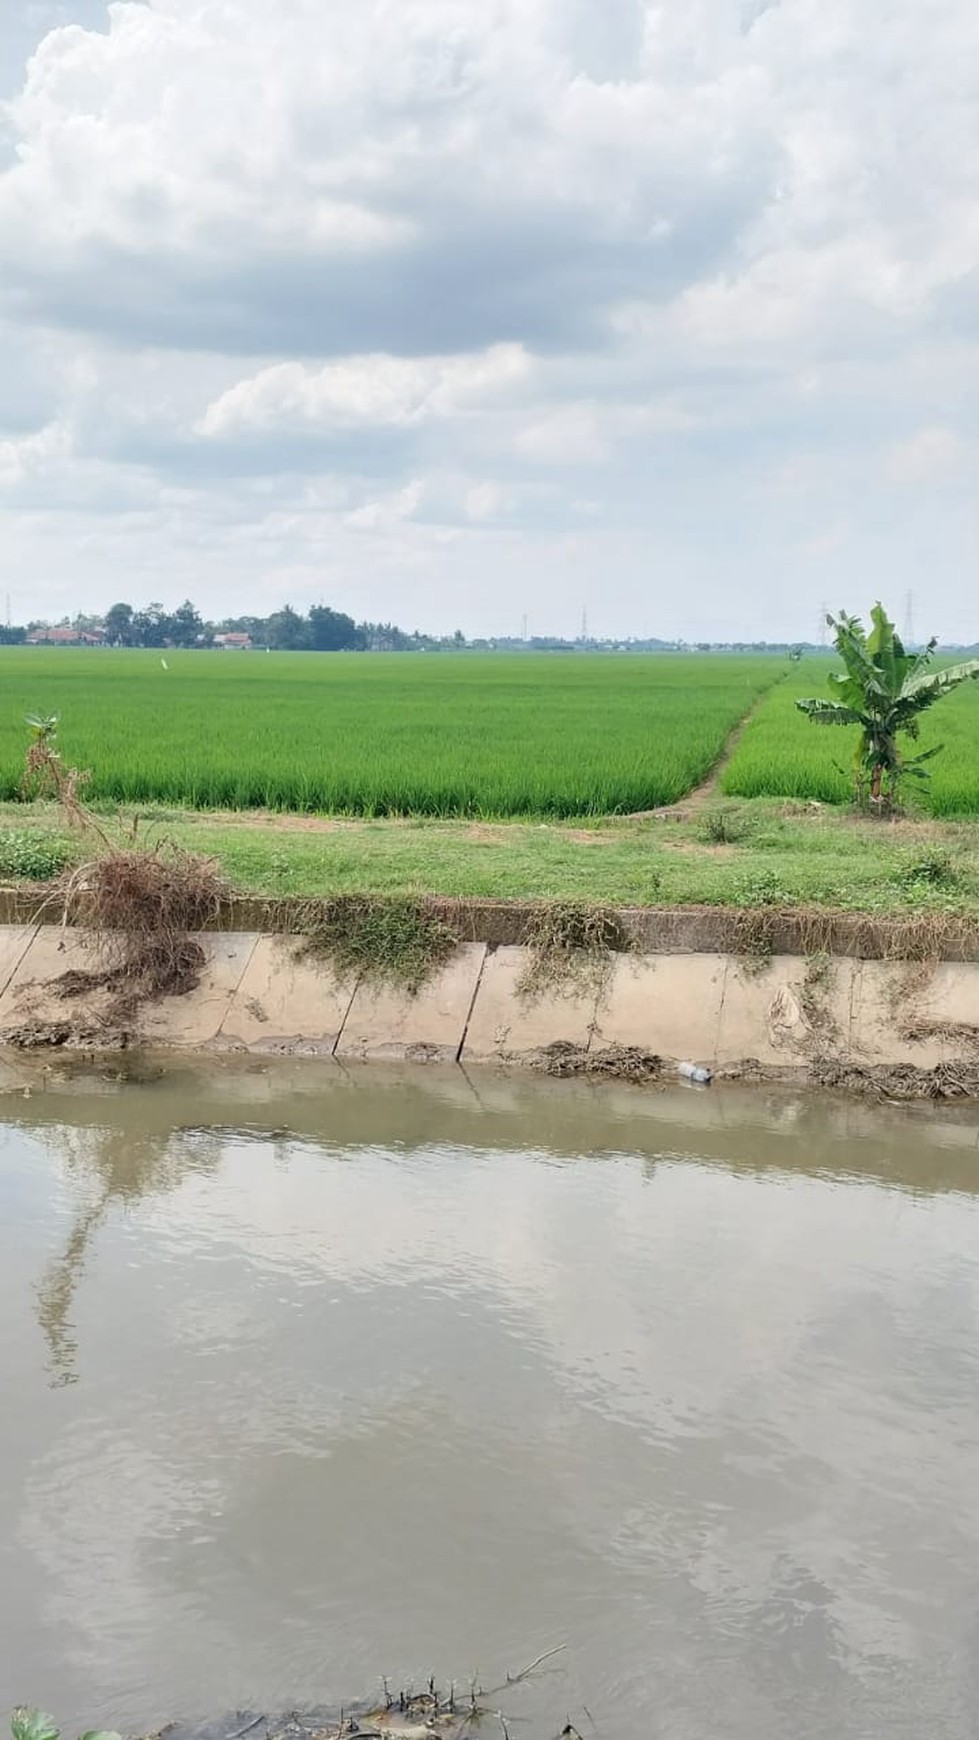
column 455, row 310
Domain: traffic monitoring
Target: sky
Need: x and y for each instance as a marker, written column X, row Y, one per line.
column 460, row 312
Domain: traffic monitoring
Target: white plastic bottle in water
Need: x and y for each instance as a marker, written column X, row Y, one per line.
column 693, row 1072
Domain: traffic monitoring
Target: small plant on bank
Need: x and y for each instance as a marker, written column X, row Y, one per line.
column 28, row 1724
column 933, row 869
column 725, row 827
column 884, row 690
column 763, row 888
column 45, row 773
column 35, row 857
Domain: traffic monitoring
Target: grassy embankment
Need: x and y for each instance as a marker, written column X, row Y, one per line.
column 774, row 858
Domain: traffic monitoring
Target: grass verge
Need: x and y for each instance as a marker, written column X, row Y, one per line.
column 774, row 855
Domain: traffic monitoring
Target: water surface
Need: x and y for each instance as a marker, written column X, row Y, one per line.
column 311, row 1376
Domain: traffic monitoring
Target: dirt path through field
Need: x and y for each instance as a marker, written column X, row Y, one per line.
column 478, row 833
column 704, row 793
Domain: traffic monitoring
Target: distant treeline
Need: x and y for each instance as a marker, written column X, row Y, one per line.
column 326, row 630
column 286, row 630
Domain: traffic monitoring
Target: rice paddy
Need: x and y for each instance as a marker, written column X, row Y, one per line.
column 480, row 736
column 782, row 754
column 376, row 735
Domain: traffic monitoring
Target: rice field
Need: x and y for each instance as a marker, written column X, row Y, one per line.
column 375, row 735
column 782, row 754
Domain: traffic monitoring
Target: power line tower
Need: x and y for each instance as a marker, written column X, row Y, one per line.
column 823, row 624
column 584, row 625
column 908, row 634
column 523, row 624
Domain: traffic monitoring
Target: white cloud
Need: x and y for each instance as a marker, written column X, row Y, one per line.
column 572, row 435
column 35, row 453
column 371, row 391
column 387, row 511
column 485, row 501
column 457, row 268
column 931, row 456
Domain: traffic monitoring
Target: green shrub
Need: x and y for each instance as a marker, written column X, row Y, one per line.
column 763, row 888
column 934, row 868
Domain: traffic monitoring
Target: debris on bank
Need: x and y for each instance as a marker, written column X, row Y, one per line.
column 957, row 1080
column 140, row 913
column 40, row 1035
column 614, row 1063
column 455, row 1710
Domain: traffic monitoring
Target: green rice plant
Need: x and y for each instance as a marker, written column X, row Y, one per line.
column 383, row 735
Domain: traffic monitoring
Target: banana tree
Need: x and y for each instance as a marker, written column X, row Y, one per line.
column 884, row 690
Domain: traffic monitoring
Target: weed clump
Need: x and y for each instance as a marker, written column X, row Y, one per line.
column 725, row 827
column 388, row 938
column 139, row 912
column 935, row 868
column 571, row 949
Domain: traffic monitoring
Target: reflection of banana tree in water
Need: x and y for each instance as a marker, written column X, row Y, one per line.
column 57, row 1290
column 127, row 1170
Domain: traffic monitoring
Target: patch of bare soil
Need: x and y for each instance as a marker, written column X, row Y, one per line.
column 276, row 821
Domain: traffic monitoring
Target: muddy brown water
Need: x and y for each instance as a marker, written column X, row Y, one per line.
column 310, row 1376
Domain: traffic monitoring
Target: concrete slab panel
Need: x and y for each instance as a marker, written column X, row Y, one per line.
column 505, row 1024
column 946, row 995
column 31, row 995
column 383, row 1022
column 197, row 1018
column 668, row 1004
column 285, row 1004
column 786, row 1011
column 897, row 1000
column 15, row 939
column 881, row 1006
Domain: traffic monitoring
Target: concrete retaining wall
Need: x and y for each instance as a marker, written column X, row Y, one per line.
column 712, row 1008
column 654, row 930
